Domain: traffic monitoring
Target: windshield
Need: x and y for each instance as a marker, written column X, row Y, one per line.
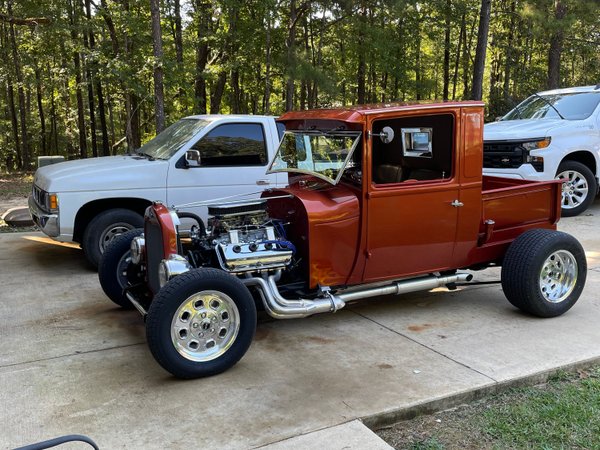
column 322, row 154
column 573, row 106
column 166, row 144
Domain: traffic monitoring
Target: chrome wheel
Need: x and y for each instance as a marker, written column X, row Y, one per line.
column 574, row 188
column 558, row 276
column 205, row 326
column 112, row 232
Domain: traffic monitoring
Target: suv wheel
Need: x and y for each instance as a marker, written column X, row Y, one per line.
column 579, row 187
column 104, row 228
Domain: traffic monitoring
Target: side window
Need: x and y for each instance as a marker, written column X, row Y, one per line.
column 422, row 150
column 233, row 144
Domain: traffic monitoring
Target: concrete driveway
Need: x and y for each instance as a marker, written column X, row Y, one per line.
column 72, row 362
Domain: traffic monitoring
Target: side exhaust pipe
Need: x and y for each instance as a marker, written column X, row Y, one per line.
column 281, row 308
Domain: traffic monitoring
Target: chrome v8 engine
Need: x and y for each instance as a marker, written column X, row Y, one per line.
column 246, row 239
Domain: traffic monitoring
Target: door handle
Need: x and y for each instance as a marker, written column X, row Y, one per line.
column 457, row 203
column 263, row 182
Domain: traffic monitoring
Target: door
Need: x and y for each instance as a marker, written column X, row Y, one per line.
column 233, row 161
column 413, row 200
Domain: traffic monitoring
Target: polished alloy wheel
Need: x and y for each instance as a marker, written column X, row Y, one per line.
column 558, row 276
column 205, row 326
column 574, row 188
column 112, row 232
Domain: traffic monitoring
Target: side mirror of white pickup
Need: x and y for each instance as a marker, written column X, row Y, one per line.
column 192, row 158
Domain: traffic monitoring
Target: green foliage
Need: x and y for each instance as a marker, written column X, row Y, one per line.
column 392, row 50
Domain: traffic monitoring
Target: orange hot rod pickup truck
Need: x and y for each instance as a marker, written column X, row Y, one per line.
column 382, row 200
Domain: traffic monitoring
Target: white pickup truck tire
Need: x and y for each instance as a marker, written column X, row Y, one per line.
column 579, row 187
column 105, row 227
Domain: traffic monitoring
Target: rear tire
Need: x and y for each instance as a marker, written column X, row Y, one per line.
column 544, row 272
column 116, row 271
column 105, row 227
column 201, row 323
column 579, row 187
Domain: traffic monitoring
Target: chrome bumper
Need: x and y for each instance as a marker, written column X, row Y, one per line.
column 46, row 222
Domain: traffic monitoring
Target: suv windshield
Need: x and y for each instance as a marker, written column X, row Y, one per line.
column 166, row 144
column 322, row 154
column 573, row 106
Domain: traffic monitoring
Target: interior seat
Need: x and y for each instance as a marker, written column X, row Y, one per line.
column 425, row 174
column 389, row 173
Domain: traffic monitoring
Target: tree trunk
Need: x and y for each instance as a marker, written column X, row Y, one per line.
column 24, row 156
column 159, row 95
column 217, row 93
column 10, row 94
column 178, row 32
column 290, row 44
column 508, row 59
column 418, row 75
column 132, row 132
column 461, row 37
column 203, row 13
column 447, row 50
column 482, row 37
column 556, row 44
column 362, row 60
column 78, row 81
column 267, row 98
column 38, row 91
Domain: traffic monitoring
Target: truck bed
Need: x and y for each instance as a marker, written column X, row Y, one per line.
column 515, row 205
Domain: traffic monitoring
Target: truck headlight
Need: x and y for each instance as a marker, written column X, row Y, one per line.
column 138, row 248
column 51, row 202
column 169, row 268
column 536, row 144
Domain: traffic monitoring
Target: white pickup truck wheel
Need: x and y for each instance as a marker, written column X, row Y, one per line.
column 544, row 272
column 104, row 228
column 201, row 323
column 579, row 187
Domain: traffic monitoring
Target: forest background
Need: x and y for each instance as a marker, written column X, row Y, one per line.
column 84, row 78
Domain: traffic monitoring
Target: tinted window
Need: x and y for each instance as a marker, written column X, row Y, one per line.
column 236, row 144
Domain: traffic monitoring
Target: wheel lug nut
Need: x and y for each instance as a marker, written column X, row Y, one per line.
column 195, row 325
column 203, row 315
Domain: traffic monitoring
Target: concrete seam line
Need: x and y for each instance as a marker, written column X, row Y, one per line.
column 70, row 354
column 390, row 417
column 427, row 347
column 307, row 432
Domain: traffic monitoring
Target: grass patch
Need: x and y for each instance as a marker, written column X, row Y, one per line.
column 563, row 413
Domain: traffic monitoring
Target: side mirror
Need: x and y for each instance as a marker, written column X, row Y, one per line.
column 386, row 135
column 192, row 158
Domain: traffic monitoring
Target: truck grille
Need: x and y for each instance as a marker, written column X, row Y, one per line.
column 507, row 155
column 39, row 196
column 154, row 251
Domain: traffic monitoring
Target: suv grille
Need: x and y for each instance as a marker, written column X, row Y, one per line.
column 507, row 155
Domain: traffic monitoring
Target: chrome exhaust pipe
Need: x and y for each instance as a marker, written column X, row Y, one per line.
column 281, row 308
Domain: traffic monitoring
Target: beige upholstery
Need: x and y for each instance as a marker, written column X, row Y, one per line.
column 389, row 173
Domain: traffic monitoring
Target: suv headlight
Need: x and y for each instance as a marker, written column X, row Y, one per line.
column 169, row 268
column 536, row 144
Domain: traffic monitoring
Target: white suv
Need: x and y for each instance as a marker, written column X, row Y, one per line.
column 552, row 134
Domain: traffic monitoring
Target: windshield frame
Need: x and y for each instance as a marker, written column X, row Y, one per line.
column 350, row 133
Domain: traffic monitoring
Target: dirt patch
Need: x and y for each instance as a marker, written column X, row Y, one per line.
column 422, row 327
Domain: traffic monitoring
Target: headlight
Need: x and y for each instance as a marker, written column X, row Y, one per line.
column 138, row 247
column 536, row 144
column 169, row 268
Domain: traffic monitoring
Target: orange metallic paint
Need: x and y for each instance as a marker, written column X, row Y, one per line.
column 410, row 228
column 169, row 232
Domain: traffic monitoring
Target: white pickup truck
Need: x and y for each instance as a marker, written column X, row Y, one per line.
column 552, row 134
column 90, row 201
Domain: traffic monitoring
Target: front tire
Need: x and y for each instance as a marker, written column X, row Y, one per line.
column 201, row 323
column 544, row 272
column 116, row 271
column 579, row 187
column 104, row 228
